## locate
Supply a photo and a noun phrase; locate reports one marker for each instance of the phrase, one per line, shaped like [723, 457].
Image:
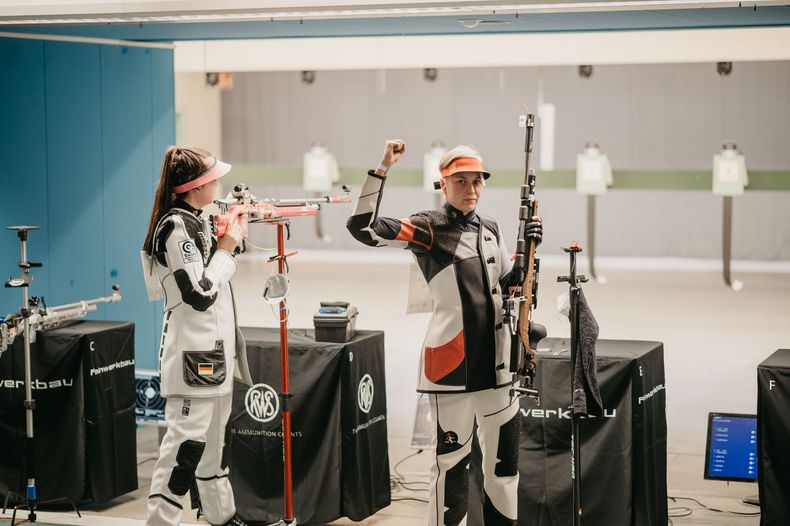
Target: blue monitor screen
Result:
[732, 447]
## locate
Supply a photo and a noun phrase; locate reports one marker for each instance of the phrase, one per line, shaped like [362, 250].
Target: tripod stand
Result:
[23, 282]
[576, 461]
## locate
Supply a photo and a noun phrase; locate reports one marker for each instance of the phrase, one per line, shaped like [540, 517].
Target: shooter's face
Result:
[463, 190]
[205, 194]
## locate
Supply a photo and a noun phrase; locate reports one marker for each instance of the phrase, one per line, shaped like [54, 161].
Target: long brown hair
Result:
[179, 166]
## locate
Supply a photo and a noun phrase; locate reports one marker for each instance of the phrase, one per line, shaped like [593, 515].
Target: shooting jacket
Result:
[202, 347]
[465, 263]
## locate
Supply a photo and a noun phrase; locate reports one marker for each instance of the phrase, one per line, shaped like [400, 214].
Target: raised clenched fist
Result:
[393, 151]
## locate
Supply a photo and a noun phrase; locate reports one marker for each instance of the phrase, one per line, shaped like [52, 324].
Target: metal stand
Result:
[726, 245]
[23, 282]
[576, 462]
[319, 228]
[276, 212]
[591, 216]
[285, 395]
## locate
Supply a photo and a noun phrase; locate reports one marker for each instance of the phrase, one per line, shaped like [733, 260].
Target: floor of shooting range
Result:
[685, 480]
[714, 338]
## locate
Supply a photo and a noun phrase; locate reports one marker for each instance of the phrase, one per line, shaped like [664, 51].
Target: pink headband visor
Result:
[215, 171]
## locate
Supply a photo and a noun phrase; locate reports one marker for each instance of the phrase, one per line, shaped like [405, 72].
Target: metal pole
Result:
[576, 462]
[591, 234]
[285, 395]
[576, 458]
[29, 403]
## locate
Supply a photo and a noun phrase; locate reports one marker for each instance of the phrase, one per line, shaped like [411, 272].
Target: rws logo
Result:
[365, 393]
[562, 414]
[262, 403]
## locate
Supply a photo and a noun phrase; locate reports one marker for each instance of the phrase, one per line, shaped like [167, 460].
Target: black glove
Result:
[534, 231]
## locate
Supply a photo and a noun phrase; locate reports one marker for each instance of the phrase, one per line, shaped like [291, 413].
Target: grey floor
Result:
[685, 480]
[714, 338]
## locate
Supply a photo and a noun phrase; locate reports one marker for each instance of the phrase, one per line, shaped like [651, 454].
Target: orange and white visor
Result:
[215, 170]
[465, 164]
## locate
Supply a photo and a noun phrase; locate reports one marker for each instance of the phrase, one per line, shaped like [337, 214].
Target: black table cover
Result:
[339, 428]
[85, 443]
[773, 437]
[623, 454]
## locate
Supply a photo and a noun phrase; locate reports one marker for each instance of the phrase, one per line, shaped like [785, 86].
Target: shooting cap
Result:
[216, 169]
[465, 164]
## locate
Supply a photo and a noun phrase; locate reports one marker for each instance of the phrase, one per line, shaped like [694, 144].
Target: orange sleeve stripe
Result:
[406, 233]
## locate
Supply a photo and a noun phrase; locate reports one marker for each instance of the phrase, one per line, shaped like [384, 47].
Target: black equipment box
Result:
[773, 434]
[335, 322]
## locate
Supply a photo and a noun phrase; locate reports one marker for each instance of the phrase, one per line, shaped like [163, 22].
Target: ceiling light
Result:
[470, 23]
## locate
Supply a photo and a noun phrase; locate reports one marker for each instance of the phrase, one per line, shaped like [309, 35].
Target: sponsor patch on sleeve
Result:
[189, 251]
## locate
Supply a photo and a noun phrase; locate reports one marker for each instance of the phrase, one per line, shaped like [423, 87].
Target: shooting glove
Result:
[534, 231]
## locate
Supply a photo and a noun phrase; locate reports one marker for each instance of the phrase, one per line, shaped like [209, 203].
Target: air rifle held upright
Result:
[523, 294]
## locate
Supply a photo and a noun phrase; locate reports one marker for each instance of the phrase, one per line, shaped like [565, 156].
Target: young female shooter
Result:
[201, 346]
[465, 357]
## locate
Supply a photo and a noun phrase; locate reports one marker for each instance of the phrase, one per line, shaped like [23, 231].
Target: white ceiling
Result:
[448, 51]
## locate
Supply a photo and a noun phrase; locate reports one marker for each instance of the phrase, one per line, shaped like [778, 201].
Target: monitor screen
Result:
[731, 452]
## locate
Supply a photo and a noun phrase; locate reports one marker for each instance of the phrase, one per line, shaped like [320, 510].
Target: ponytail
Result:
[179, 166]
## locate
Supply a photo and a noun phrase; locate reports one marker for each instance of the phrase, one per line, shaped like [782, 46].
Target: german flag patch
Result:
[205, 369]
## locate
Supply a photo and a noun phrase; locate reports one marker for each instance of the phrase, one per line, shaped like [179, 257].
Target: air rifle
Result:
[523, 295]
[241, 205]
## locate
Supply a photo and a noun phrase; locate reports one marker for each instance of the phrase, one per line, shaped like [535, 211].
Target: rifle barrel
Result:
[114, 298]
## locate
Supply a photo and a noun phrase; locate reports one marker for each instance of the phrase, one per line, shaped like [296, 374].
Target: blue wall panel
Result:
[163, 133]
[83, 132]
[74, 155]
[128, 158]
[23, 176]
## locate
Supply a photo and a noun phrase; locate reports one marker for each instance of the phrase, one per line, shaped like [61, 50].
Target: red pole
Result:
[286, 396]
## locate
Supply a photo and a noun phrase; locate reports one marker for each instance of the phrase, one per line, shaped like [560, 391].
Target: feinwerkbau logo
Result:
[562, 414]
[113, 366]
[38, 384]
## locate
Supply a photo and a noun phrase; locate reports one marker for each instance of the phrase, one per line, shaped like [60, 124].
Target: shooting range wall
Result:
[83, 131]
[659, 124]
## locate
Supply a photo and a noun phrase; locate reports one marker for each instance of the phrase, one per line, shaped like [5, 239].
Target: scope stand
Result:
[23, 282]
[576, 462]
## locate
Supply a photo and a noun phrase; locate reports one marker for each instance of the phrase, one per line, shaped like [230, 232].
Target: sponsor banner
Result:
[366, 473]
[338, 428]
[83, 385]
